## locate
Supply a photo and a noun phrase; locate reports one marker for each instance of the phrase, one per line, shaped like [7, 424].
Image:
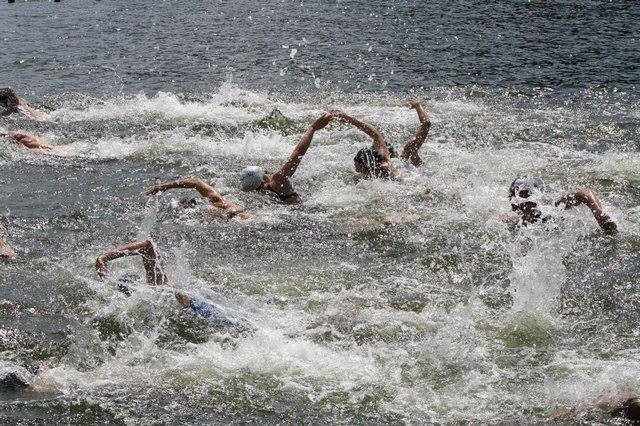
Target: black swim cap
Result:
[371, 161]
[11, 382]
[8, 98]
[629, 409]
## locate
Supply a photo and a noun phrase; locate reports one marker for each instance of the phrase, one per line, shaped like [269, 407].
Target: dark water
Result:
[446, 316]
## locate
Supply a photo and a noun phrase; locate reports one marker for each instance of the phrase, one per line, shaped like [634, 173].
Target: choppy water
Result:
[446, 316]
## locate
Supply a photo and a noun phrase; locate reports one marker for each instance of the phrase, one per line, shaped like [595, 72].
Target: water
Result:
[443, 316]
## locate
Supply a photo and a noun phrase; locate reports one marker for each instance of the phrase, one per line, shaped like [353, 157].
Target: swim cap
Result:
[252, 178]
[8, 98]
[629, 409]
[13, 382]
[525, 187]
[371, 161]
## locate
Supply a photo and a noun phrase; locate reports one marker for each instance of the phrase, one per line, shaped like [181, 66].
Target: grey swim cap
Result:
[252, 178]
[525, 187]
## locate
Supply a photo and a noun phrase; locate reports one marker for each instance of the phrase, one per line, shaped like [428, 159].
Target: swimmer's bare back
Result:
[31, 142]
[207, 191]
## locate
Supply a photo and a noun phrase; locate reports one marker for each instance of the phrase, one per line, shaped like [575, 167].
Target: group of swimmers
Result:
[374, 162]
[525, 192]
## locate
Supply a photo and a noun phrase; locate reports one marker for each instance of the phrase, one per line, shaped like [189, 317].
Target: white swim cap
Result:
[526, 187]
[252, 178]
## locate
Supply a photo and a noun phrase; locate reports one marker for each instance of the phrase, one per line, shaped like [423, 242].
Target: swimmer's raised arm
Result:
[379, 143]
[29, 141]
[291, 165]
[205, 190]
[155, 275]
[410, 151]
[591, 200]
[145, 249]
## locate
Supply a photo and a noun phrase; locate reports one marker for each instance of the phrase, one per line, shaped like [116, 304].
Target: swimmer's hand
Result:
[155, 189]
[414, 103]
[183, 183]
[589, 198]
[101, 267]
[607, 225]
[29, 141]
[322, 122]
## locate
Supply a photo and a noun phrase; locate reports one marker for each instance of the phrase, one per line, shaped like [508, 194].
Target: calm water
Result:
[446, 316]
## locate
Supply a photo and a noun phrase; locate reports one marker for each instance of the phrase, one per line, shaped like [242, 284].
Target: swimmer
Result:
[375, 162]
[155, 276]
[232, 210]
[14, 381]
[627, 408]
[277, 185]
[10, 101]
[6, 252]
[524, 194]
[31, 142]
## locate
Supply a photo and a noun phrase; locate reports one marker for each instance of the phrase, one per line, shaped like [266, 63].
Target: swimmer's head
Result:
[252, 178]
[629, 409]
[8, 98]
[13, 382]
[369, 162]
[524, 192]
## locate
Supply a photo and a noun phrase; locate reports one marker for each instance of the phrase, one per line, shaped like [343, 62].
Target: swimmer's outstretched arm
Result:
[591, 200]
[152, 264]
[6, 252]
[29, 141]
[410, 151]
[205, 190]
[291, 165]
[379, 143]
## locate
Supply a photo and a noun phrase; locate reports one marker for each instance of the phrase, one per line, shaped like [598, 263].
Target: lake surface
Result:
[370, 302]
